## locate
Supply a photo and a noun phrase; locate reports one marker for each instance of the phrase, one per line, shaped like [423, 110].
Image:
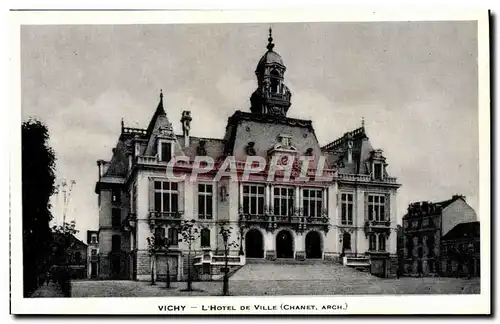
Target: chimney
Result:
[186, 126]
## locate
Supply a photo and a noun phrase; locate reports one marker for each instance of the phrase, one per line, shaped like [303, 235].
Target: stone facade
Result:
[338, 213]
[423, 229]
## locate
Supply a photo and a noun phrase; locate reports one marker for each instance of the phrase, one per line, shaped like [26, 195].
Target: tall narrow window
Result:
[205, 201]
[377, 171]
[173, 236]
[93, 239]
[205, 237]
[253, 199]
[373, 242]
[347, 203]
[133, 199]
[116, 217]
[284, 201]
[381, 242]
[116, 196]
[165, 151]
[376, 208]
[116, 242]
[166, 197]
[312, 202]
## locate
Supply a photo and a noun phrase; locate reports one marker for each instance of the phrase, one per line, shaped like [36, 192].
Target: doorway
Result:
[313, 245]
[284, 244]
[254, 245]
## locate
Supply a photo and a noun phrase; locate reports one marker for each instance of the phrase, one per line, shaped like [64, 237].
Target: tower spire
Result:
[270, 46]
[160, 104]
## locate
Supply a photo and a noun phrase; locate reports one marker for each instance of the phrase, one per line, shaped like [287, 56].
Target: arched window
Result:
[275, 81]
[205, 237]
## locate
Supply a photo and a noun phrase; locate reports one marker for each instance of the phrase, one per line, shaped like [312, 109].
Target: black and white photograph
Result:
[252, 166]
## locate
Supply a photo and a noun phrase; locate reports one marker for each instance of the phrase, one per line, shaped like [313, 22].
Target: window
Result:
[275, 81]
[133, 200]
[373, 242]
[116, 242]
[165, 151]
[376, 208]
[116, 217]
[78, 257]
[253, 199]
[347, 204]
[160, 238]
[93, 252]
[116, 196]
[377, 171]
[173, 236]
[205, 237]
[93, 239]
[166, 197]
[381, 242]
[313, 202]
[284, 201]
[205, 201]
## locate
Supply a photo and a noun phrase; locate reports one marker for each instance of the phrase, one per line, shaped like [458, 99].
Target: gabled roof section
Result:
[463, 231]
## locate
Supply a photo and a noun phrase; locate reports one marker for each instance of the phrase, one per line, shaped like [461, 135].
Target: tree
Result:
[38, 179]
[152, 247]
[189, 233]
[62, 244]
[160, 244]
[225, 232]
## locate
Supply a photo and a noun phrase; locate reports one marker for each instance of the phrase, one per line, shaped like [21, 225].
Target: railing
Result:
[142, 159]
[131, 130]
[365, 178]
[165, 215]
[354, 177]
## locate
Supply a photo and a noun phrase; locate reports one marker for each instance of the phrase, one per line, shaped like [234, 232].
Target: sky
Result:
[414, 83]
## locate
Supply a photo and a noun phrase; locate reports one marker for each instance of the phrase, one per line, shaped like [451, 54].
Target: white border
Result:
[373, 304]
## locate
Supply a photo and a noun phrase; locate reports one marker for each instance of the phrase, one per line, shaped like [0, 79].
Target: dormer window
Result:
[378, 171]
[165, 151]
[93, 239]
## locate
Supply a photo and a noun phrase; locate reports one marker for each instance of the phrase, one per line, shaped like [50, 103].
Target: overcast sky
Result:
[415, 83]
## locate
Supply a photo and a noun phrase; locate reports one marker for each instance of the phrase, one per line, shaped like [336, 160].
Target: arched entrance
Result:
[313, 245]
[284, 244]
[254, 245]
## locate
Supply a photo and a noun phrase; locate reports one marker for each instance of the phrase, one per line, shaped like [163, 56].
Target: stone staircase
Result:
[358, 263]
[283, 269]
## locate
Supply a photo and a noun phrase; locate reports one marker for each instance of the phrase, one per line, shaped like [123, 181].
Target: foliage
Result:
[38, 179]
[225, 231]
[189, 233]
[63, 238]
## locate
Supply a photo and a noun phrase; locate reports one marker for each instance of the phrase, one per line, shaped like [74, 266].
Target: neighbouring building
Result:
[93, 254]
[347, 214]
[424, 226]
[74, 256]
[460, 251]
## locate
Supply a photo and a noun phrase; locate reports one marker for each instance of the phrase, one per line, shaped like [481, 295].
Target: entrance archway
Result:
[313, 245]
[254, 245]
[284, 244]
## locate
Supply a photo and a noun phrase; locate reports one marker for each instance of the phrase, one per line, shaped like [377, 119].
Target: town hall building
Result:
[347, 214]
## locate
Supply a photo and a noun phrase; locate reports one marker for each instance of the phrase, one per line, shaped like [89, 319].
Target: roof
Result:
[264, 130]
[463, 230]
[270, 57]
[445, 203]
[73, 238]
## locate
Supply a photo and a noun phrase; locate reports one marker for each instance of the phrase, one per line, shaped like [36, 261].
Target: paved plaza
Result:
[268, 279]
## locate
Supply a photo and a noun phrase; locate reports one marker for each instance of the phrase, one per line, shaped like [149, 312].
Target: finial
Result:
[123, 124]
[362, 121]
[161, 93]
[270, 46]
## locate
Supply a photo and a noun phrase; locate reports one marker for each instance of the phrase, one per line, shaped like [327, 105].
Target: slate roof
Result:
[463, 230]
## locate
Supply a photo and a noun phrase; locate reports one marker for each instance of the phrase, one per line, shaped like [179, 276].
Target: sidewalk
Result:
[51, 290]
